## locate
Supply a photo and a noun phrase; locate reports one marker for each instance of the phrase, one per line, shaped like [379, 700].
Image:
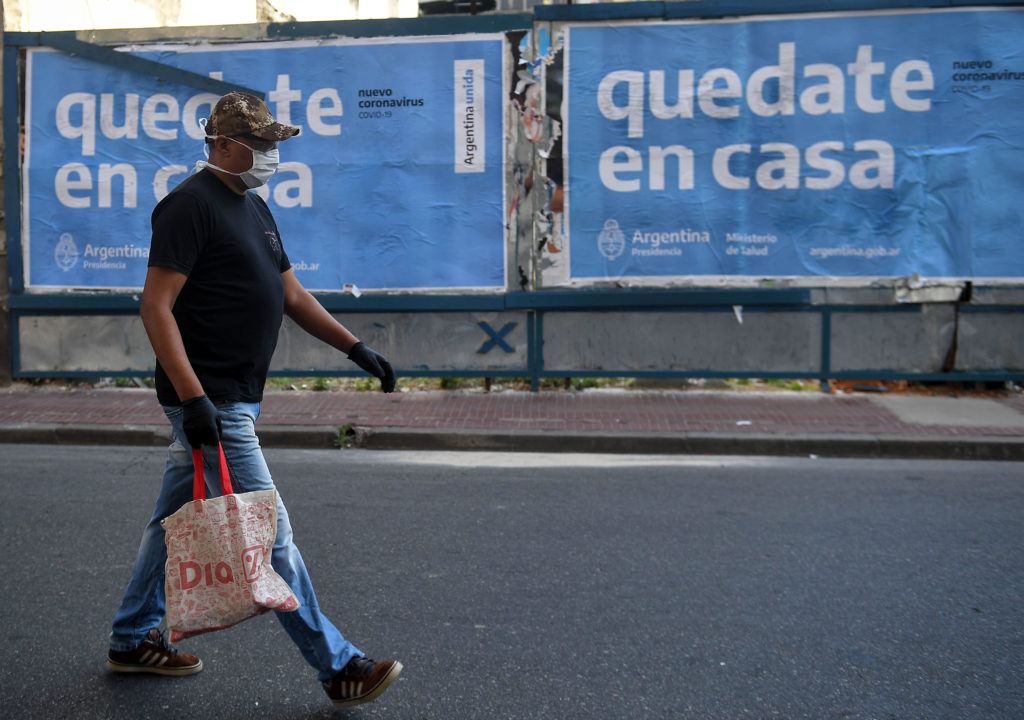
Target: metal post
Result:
[5, 310]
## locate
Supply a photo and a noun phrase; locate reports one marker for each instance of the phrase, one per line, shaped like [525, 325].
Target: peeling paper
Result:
[536, 199]
[523, 80]
[546, 51]
[352, 289]
[531, 115]
[544, 222]
[737, 310]
[524, 48]
[543, 45]
[551, 48]
[554, 134]
[915, 289]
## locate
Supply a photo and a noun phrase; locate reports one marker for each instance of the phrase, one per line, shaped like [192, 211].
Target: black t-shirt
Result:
[230, 309]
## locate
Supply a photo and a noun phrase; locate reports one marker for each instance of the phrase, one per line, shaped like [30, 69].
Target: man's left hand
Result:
[374, 363]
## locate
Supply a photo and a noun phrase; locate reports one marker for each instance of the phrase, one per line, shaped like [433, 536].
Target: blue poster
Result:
[395, 181]
[831, 146]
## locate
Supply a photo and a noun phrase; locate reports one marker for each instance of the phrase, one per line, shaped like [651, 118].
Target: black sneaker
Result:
[361, 681]
[154, 655]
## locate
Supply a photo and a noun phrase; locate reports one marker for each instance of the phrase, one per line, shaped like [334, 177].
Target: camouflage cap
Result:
[241, 114]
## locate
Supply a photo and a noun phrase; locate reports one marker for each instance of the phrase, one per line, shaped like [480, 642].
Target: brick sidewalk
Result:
[588, 411]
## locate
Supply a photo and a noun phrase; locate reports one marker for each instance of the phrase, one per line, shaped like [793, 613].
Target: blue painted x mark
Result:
[496, 338]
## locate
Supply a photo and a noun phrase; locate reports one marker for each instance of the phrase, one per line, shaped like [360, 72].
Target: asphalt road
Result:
[553, 586]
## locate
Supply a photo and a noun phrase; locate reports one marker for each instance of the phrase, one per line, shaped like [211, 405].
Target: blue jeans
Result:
[144, 603]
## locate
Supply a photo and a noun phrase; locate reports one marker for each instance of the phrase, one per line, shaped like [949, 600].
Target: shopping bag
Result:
[218, 569]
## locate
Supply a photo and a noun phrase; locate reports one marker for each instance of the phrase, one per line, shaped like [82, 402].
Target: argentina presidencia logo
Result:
[611, 242]
[66, 252]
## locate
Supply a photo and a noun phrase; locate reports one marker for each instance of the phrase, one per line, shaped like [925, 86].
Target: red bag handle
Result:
[199, 481]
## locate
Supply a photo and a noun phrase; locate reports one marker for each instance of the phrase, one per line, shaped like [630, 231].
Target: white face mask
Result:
[264, 165]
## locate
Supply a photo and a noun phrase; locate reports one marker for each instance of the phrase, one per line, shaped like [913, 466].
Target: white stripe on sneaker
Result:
[350, 689]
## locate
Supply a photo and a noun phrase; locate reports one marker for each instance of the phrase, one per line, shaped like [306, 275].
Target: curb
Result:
[69, 434]
[695, 443]
[323, 437]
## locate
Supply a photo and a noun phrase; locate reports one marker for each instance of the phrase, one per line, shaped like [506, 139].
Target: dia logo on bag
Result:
[192, 573]
[252, 560]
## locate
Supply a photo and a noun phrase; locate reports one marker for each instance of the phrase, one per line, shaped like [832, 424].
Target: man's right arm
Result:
[201, 424]
[158, 298]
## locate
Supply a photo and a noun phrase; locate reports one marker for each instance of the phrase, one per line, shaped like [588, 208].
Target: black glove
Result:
[201, 421]
[374, 363]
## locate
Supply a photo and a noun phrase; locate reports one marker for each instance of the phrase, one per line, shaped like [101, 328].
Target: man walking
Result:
[217, 287]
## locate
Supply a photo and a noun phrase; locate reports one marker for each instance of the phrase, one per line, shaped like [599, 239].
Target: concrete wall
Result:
[413, 342]
[915, 340]
[112, 345]
[684, 341]
[911, 341]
